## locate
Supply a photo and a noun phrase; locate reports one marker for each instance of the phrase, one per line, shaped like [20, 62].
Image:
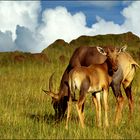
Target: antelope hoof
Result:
[116, 122]
[66, 127]
[83, 127]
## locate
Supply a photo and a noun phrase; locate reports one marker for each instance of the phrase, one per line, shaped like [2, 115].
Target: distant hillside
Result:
[60, 47]
[107, 40]
[61, 51]
[16, 57]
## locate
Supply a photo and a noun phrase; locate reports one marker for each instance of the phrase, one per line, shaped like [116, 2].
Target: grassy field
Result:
[26, 112]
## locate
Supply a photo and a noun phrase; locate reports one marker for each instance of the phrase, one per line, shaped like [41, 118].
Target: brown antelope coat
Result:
[94, 79]
[85, 56]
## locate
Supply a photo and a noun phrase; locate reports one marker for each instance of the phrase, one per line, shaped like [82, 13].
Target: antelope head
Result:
[57, 100]
[112, 55]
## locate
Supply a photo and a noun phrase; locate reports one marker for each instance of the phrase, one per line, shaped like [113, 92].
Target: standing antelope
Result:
[94, 79]
[85, 56]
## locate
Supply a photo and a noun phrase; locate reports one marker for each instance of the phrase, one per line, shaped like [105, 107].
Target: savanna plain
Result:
[26, 111]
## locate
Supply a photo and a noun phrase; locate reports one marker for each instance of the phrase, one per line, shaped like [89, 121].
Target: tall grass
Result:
[26, 112]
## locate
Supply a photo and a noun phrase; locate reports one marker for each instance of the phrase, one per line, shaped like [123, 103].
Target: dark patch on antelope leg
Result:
[129, 95]
[116, 87]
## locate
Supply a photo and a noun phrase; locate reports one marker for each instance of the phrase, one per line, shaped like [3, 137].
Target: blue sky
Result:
[31, 26]
[109, 13]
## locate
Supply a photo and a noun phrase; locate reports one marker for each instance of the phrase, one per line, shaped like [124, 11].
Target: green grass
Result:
[26, 112]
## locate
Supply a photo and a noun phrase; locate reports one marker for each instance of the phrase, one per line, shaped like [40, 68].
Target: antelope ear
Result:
[101, 50]
[122, 49]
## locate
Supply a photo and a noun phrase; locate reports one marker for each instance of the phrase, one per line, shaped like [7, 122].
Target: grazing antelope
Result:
[85, 56]
[93, 79]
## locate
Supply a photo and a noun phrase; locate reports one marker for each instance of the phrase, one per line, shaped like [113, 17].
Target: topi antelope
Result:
[85, 56]
[93, 79]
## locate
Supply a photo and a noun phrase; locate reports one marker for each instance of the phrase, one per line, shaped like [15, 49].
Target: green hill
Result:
[60, 47]
[110, 39]
[61, 51]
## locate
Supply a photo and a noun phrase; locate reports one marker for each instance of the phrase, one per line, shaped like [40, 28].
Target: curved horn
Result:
[53, 95]
[50, 92]
[50, 82]
[122, 49]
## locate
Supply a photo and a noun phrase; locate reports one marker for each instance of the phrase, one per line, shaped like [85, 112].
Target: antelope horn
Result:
[50, 92]
[53, 95]
[50, 82]
[137, 65]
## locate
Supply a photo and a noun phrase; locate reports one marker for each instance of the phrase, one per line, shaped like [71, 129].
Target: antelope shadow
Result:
[47, 118]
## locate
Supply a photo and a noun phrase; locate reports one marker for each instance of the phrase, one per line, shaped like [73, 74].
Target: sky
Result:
[31, 26]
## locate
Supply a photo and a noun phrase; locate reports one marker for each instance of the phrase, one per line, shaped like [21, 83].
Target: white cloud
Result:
[131, 22]
[25, 14]
[6, 41]
[105, 27]
[13, 13]
[132, 18]
[57, 23]
[27, 40]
